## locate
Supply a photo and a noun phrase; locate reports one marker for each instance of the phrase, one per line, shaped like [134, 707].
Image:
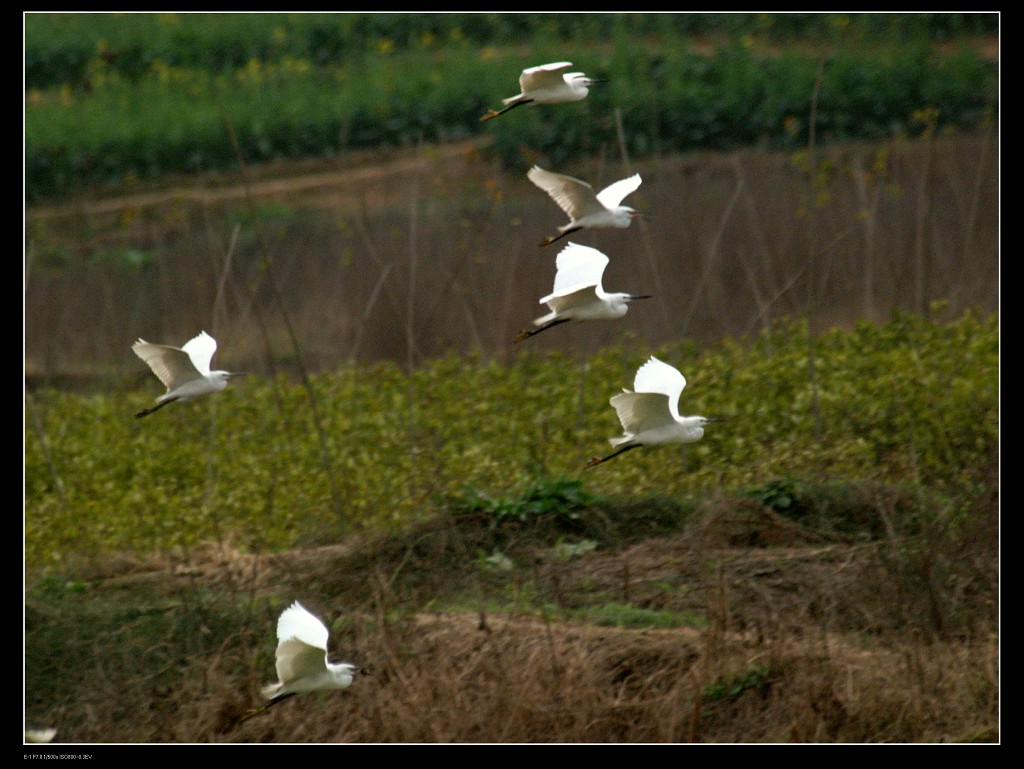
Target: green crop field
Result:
[112, 98]
[907, 402]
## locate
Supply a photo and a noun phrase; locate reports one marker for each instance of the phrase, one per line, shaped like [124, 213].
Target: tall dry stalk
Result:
[268, 277]
[812, 246]
[659, 287]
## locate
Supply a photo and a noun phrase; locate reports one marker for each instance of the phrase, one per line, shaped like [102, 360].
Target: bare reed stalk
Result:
[868, 202]
[210, 509]
[410, 299]
[366, 312]
[371, 246]
[972, 215]
[443, 297]
[812, 302]
[920, 223]
[37, 426]
[508, 294]
[37, 423]
[218, 300]
[764, 305]
[264, 251]
[710, 260]
[659, 288]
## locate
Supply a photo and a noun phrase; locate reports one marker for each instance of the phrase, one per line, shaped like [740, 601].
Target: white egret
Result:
[584, 207]
[577, 294]
[185, 370]
[649, 413]
[302, 663]
[546, 84]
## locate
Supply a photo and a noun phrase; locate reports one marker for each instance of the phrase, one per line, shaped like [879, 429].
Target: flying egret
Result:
[649, 413]
[577, 293]
[185, 370]
[583, 206]
[546, 84]
[302, 664]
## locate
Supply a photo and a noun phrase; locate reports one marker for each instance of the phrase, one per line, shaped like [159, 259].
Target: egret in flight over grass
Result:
[649, 413]
[185, 371]
[302, 663]
[577, 294]
[584, 207]
[546, 84]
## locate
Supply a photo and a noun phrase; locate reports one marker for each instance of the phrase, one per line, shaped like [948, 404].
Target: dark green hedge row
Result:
[672, 102]
[669, 99]
[62, 48]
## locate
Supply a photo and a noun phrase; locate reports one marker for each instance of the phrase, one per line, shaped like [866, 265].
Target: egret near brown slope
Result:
[185, 371]
[302, 661]
[649, 413]
[577, 293]
[584, 207]
[546, 84]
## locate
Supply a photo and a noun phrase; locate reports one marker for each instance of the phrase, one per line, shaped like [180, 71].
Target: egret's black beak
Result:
[640, 296]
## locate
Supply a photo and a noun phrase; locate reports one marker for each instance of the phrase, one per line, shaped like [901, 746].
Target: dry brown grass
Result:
[800, 637]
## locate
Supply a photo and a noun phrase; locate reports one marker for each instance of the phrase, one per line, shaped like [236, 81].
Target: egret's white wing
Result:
[614, 193]
[573, 196]
[578, 267]
[302, 644]
[200, 349]
[639, 412]
[570, 299]
[657, 377]
[297, 622]
[296, 660]
[543, 76]
[172, 365]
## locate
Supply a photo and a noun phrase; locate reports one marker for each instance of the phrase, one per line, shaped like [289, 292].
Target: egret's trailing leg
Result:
[599, 460]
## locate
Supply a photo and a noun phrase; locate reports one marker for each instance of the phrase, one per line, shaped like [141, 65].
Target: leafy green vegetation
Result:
[112, 98]
[61, 47]
[731, 688]
[907, 402]
[560, 499]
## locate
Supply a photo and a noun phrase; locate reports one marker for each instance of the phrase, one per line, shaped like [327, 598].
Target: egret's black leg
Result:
[527, 334]
[491, 114]
[548, 241]
[157, 407]
[259, 710]
[599, 460]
